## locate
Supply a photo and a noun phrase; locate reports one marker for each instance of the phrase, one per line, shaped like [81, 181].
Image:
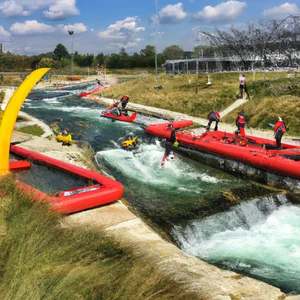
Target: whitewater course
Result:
[218, 247]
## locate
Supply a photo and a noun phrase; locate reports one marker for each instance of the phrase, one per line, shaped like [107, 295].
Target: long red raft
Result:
[96, 89]
[102, 191]
[254, 151]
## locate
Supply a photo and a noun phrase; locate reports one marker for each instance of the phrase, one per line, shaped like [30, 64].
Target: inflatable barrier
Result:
[101, 190]
[254, 151]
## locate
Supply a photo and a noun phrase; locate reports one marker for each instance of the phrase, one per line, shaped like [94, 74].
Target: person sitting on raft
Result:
[213, 116]
[240, 124]
[279, 129]
[116, 111]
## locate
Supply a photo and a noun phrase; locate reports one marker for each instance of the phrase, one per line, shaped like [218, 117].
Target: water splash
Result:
[260, 238]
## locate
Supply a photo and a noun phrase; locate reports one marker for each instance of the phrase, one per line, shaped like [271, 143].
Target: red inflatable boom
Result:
[103, 191]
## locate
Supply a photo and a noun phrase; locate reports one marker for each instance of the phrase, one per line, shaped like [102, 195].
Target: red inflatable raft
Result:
[122, 117]
[102, 190]
[254, 151]
[96, 89]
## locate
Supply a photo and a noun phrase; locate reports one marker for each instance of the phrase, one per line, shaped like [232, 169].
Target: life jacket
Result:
[124, 98]
[280, 125]
[240, 121]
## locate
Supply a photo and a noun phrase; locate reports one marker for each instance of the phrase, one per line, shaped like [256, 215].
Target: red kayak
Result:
[254, 151]
[96, 89]
[109, 113]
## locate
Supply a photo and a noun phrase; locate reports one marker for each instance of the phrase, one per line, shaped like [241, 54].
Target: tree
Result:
[100, 59]
[46, 63]
[123, 52]
[173, 52]
[148, 51]
[60, 52]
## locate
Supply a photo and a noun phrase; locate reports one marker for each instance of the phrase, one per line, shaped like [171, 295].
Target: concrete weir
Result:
[193, 274]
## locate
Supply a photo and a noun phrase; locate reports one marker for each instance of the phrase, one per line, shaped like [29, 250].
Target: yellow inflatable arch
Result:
[11, 113]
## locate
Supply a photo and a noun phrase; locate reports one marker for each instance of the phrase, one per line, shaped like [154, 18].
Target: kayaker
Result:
[170, 157]
[171, 141]
[243, 87]
[279, 129]
[64, 132]
[213, 116]
[240, 124]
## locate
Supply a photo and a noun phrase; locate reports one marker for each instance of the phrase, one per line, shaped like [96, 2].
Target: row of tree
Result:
[60, 58]
[266, 41]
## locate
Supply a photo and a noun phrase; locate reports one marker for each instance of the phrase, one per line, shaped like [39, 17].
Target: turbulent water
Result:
[258, 238]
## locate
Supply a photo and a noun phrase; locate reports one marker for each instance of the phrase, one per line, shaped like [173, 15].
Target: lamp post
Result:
[156, 24]
[71, 32]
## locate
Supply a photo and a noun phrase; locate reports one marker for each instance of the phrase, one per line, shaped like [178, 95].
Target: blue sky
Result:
[37, 26]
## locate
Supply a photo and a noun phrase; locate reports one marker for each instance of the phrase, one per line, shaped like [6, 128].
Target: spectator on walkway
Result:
[243, 87]
[213, 116]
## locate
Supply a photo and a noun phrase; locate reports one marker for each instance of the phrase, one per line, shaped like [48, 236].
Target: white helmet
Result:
[171, 157]
[279, 119]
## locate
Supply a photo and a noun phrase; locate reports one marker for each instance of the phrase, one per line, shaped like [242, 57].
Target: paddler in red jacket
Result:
[240, 123]
[279, 129]
[124, 101]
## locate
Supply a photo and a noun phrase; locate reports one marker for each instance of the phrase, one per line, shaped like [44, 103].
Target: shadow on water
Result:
[197, 206]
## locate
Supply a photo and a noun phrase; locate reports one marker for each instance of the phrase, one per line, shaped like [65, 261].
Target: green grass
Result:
[40, 259]
[2, 95]
[273, 94]
[32, 129]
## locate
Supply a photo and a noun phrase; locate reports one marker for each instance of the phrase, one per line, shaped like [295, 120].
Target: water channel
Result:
[185, 199]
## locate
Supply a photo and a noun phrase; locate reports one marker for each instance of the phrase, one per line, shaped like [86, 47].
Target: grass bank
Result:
[41, 259]
[273, 94]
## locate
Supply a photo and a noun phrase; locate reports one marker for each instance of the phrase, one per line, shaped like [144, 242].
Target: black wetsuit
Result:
[170, 141]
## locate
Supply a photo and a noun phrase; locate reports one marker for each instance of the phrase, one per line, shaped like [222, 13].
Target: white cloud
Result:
[122, 32]
[223, 12]
[122, 45]
[172, 14]
[36, 4]
[31, 27]
[4, 35]
[61, 10]
[12, 9]
[283, 10]
[77, 28]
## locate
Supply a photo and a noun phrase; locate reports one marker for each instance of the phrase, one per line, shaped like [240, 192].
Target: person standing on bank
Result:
[243, 87]
[279, 129]
[240, 124]
[124, 101]
[213, 116]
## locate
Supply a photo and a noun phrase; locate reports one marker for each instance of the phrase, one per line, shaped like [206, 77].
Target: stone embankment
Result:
[192, 274]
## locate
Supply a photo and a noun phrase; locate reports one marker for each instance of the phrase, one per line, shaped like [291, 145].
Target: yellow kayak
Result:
[65, 139]
[129, 141]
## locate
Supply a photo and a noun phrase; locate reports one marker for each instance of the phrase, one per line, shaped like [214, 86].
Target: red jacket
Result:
[124, 98]
[240, 121]
[280, 125]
